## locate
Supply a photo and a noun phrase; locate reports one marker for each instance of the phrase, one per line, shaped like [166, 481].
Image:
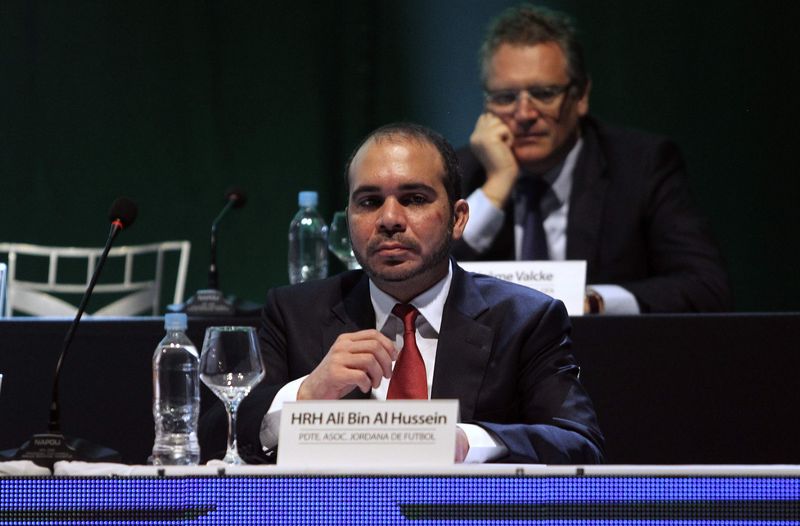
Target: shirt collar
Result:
[562, 184]
[430, 303]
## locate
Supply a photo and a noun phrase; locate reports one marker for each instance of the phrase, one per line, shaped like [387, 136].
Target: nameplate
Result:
[344, 433]
[563, 280]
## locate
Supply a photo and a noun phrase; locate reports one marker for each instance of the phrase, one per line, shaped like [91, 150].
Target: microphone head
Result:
[123, 210]
[236, 195]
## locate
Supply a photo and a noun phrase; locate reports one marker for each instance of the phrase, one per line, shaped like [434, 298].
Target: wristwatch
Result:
[594, 301]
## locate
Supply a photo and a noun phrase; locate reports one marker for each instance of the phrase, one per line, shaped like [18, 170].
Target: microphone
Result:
[122, 212]
[235, 198]
[210, 301]
[46, 449]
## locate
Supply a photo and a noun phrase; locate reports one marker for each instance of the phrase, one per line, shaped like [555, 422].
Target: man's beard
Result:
[441, 253]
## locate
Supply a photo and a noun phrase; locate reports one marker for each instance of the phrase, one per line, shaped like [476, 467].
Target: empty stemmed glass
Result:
[230, 365]
[339, 241]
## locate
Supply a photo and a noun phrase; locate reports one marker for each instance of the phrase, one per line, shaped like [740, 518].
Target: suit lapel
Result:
[352, 313]
[464, 345]
[587, 199]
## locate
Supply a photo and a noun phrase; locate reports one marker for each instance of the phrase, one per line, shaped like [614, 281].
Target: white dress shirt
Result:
[430, 304]
[486, 220]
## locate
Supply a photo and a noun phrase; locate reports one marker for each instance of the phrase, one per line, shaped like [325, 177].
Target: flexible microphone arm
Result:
[236, 199]
[213, 273]
[122, 214]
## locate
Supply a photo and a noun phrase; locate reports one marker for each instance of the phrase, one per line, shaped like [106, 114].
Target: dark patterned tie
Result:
[534, 240]
[409, 380]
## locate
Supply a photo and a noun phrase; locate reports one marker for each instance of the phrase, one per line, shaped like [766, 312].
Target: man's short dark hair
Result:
[527, 25]
[451, 178]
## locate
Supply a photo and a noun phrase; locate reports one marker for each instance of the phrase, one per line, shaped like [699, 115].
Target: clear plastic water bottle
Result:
[308, 241]
[176, 396]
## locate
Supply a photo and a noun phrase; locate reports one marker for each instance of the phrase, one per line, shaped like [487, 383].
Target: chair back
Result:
[3, 272]
[40, 279]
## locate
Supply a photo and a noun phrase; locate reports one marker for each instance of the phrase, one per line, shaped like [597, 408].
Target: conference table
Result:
[668, 389]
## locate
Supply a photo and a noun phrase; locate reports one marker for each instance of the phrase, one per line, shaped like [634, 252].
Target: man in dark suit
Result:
[502, 350]
[547, 181]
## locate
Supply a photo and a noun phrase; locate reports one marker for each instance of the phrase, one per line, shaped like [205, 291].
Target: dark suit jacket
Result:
[631, 219]
[503, 352]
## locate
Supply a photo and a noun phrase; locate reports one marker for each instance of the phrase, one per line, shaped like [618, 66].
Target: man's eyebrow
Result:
[417, 186]
[371, 189]
[366, 190]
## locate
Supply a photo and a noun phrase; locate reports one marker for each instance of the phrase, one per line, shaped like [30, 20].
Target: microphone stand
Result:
[211, 301]
[213, 273]
[45, 449]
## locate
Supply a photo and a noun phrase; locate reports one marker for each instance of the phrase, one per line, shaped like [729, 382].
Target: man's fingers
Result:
[462, 445]
[356, 360]
[491, 142]
[366, 363]
[372, 350]
[372, 335]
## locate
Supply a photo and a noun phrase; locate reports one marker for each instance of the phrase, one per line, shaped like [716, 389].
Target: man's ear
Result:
[583, 102]
[460, 218]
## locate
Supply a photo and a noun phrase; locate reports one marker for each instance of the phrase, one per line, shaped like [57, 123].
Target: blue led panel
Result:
[426, 500]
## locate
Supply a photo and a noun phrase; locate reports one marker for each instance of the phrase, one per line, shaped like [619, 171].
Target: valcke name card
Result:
[563, 280]
[344, 433]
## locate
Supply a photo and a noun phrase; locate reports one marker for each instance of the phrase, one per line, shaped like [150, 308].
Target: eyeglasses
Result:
[506, 100]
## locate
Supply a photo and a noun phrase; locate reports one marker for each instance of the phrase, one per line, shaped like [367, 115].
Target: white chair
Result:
[132, 278]
[3, 269]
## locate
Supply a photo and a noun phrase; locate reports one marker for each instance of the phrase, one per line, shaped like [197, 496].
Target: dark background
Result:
[170, 103]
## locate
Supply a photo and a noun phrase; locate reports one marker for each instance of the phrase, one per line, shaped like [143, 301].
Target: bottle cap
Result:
[307, 199]
[175, 321]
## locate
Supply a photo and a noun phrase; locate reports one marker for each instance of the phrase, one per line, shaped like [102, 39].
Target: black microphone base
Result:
[209, 302]
[45, 449]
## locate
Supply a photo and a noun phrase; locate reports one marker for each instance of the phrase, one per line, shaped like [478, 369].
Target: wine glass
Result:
[230, 365]
[339, 241]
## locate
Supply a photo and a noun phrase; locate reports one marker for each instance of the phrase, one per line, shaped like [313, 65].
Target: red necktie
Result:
[409, 380]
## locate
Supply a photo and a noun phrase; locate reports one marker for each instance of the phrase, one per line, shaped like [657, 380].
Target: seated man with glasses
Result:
[547, 181]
